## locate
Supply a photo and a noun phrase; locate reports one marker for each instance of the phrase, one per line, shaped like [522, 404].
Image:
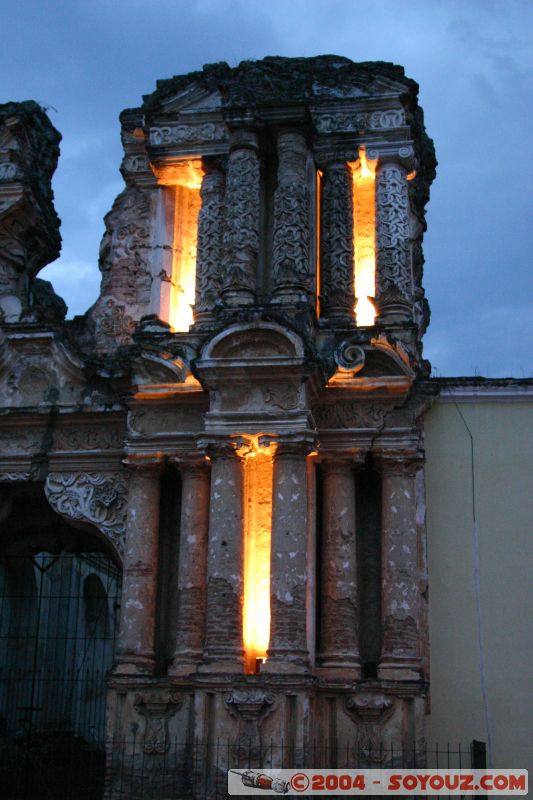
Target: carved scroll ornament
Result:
[97, 498]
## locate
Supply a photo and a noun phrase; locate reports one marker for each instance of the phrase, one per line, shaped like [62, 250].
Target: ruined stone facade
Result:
[143, 428]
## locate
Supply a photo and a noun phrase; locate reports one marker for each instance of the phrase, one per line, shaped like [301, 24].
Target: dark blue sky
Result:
[89, 59]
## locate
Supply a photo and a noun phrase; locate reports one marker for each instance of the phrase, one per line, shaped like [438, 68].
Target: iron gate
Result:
[58, 620]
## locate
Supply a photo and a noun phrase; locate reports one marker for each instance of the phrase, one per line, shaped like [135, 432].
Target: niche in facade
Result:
[364, 225]
[182, 202]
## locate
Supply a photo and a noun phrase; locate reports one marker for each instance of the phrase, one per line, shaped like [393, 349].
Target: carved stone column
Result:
[241, 234]
[337, 289]
[225, 562]
[290, 259]
[135, 649]
[287, 650]
[209, 251]
[339, 603]
[394, 281]
[194, 524]
[400, 600]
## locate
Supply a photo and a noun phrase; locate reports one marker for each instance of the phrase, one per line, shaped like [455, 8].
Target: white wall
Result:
[503, 448]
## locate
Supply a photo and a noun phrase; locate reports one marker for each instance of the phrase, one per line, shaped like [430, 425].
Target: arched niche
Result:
[55, 652]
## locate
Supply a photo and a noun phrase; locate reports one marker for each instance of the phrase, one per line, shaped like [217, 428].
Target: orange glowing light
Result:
[186, 178]
[258, 468]
[364, 178]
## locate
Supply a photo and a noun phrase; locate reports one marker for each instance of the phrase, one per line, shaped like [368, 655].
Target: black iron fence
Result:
[58, 619]
[69, 768]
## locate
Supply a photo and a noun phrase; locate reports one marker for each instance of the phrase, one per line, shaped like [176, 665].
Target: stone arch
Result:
[99, 499]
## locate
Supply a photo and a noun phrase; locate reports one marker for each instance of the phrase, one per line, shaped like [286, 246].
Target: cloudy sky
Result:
[87, 59]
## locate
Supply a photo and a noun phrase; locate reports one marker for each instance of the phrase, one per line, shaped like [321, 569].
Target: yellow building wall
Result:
[503, 458]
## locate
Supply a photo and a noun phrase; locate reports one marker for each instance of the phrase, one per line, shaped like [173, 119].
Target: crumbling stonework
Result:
[99, 412]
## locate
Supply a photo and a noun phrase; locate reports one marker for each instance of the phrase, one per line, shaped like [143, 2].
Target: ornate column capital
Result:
[341, 462]
[398, 462]
[294, 448]
[193, 464]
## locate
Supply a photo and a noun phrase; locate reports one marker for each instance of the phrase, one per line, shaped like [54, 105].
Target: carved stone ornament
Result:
[336, 246]
[89, 437]
[290, 260]
[348, 122]
[281, 395]
[350, 356]
[370, 712]
[351, 414]
[369, 708]
[210, 233]
[241, 234]
[188, 133]
[392, 235]
[157, 708]
[97, 498]
[250, 704]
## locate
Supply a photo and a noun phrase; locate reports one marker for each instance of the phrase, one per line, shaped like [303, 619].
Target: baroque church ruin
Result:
[212, 483]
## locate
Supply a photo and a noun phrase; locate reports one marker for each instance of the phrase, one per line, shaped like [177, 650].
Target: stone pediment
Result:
[247, 343]
[194, 99]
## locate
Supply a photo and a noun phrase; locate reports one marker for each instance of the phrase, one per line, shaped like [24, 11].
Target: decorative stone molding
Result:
[15, 440]
[349, 414]
[282, 395]
[250, 704]
[369, 709]
[187, 133]
[97, 498]
[370, 712]
[157, 708]
[358, 121]
[89, 437]
[250, 707]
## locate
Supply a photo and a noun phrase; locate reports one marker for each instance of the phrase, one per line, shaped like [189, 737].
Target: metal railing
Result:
[64, 767]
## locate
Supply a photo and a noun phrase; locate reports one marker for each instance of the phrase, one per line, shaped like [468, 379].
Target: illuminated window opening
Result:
[183, 180]
[258, 470]
[364, 193]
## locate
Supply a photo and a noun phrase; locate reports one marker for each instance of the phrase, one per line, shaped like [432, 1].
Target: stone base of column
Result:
[399, 668]
[280, 665]
[224, 665]
[289, 297]
[185, 664]
[134, 665]
[236, 298]
[338, 667]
